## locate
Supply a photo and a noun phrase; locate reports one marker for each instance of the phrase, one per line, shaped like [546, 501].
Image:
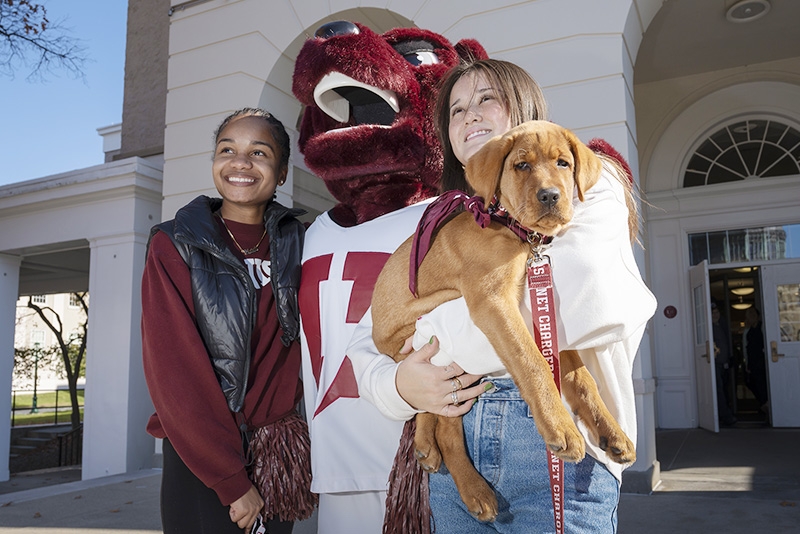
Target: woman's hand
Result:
[433, 388]
[244, 510]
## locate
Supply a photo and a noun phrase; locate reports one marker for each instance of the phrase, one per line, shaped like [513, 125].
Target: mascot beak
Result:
[337, 94]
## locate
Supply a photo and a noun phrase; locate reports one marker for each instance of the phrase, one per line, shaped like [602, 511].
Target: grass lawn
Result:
[43, 418]
[46, 404]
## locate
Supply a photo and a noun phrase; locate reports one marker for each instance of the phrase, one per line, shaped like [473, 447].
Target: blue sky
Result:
[50, 126]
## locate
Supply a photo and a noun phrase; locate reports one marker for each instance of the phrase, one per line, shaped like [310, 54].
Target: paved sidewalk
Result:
[740, 481]
[121, 504]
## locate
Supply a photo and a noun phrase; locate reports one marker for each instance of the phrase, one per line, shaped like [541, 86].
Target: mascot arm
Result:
[375, 373]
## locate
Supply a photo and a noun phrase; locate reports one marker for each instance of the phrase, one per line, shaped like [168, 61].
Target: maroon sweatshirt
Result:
[191, 409]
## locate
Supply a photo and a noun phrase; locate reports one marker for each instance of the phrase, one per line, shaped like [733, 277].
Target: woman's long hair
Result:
[519, 93]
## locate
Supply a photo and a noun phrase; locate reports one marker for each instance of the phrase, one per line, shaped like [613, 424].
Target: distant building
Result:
[30, 331]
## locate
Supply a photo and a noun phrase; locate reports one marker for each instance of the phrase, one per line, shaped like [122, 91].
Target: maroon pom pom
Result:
[281, 470]
[603, 147]
[408, 509]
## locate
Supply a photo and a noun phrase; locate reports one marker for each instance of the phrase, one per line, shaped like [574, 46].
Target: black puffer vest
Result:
[224, 297]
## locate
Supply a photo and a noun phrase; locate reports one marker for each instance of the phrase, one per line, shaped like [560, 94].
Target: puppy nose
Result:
[549, 197]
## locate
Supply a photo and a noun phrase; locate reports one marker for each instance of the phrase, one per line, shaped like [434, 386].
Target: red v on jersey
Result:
[343, 386]
[361, 270]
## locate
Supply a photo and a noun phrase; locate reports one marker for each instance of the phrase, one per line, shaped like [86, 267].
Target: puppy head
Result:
[534, 169]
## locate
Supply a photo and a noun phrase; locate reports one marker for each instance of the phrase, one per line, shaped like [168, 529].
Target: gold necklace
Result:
[245, 251]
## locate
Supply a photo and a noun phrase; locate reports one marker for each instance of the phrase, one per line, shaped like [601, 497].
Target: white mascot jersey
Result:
[352, 443]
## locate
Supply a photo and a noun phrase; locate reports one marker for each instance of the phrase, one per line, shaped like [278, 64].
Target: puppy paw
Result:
[429, 459]
[566, 443]
[618, 447]
[480, 501]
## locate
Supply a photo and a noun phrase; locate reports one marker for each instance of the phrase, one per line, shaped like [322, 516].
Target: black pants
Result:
[757, 380]
[723, 387]
[190, 507]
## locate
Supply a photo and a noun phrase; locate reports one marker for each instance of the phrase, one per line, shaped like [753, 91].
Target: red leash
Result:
[540, 285]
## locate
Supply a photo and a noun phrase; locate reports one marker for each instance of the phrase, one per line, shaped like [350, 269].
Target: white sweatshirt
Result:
[602, 307]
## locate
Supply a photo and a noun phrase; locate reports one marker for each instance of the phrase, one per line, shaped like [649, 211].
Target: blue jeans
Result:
[509, 452]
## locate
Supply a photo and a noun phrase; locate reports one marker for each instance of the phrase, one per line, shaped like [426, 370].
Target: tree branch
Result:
[28, 39]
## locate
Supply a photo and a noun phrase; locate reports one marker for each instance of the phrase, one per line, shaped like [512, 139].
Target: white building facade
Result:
[617, 69]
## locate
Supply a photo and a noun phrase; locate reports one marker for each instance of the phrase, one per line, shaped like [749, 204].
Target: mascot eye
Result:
[417, 52]
[522, 166]
[422, 58]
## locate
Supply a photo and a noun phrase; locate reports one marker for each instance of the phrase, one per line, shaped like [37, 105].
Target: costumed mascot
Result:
[368, 133]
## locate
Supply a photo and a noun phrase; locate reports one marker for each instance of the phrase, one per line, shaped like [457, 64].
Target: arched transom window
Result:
[751, 148]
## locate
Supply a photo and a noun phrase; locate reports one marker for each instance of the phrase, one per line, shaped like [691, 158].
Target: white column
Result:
[9, 292]
[117, 403]
[575, 104]
[645, 473]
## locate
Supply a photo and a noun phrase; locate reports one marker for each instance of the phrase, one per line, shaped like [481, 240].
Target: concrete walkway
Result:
[121, 504]
[740, 481]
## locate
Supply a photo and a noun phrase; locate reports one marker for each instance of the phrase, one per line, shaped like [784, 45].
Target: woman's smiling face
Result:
[247, 164]
[476, 115]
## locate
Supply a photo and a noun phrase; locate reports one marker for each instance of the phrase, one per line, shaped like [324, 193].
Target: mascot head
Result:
[368, 128]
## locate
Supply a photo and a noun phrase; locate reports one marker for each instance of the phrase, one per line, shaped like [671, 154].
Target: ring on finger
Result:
[458, 382]
[454, 397]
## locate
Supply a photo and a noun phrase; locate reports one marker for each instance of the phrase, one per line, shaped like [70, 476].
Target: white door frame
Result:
[782, 348]
[703, 355]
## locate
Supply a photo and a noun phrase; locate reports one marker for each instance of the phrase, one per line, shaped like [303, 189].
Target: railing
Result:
[51, 406]
[70, 447]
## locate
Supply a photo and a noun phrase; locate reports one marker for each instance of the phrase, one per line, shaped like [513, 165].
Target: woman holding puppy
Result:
[602, 308]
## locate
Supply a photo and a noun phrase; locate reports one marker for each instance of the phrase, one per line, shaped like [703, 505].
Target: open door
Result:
[703, 355]
[781, 286]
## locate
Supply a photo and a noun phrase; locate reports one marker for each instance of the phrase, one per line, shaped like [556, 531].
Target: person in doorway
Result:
[723, 361]
[219, 338]
[479, 100]
[754, 361]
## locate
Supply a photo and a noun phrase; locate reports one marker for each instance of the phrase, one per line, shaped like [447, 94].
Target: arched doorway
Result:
[723, 187]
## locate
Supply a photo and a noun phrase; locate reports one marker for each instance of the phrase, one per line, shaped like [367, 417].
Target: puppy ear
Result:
[587, 165]
[484, 168]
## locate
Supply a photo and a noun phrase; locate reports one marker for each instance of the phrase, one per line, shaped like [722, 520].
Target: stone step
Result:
[46, 433]
[35, 441]
[22, 449]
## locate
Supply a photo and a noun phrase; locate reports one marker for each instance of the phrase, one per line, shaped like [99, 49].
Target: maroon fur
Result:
[369, 169]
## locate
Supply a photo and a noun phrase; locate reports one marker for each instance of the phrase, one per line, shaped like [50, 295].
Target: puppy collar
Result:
[537, 241]
[447, 205]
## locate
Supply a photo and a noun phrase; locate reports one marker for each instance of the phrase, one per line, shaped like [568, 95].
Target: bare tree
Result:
[72, 348]
[29, 39]
[26, 359]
